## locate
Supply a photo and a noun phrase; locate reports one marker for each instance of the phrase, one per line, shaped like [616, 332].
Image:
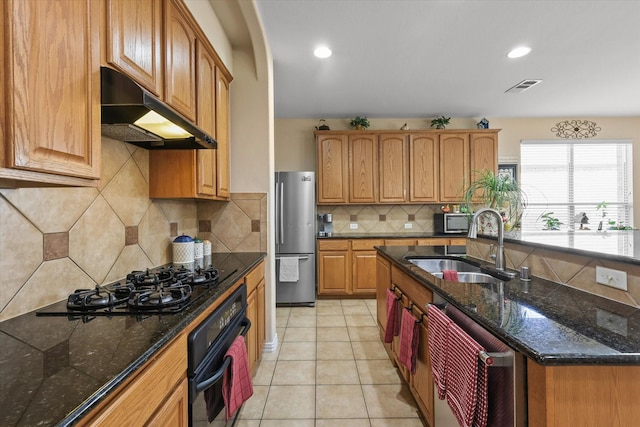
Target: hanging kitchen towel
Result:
[237, 387]
[438, 325]
[410, 331]
[450, 275]
[393, 328]
[463, 378]
[289, 269]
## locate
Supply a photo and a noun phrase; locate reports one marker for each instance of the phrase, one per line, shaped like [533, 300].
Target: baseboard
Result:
[271, 346]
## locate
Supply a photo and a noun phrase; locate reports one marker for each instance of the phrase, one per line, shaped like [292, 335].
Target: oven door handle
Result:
[203, 385]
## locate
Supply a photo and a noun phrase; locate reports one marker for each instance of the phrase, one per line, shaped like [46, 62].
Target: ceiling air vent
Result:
[523, 85]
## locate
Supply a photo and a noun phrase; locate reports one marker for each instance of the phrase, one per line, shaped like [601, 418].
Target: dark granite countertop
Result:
[390, 235]
[548, 322]
[54, 370]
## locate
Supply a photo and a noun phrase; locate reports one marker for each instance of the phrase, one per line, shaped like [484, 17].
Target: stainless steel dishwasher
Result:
[506, 376]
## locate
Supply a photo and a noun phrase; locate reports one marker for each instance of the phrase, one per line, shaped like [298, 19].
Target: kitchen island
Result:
[57, 369]
[582, 351]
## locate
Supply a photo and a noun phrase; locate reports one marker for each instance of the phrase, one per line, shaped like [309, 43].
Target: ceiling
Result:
[425, 58]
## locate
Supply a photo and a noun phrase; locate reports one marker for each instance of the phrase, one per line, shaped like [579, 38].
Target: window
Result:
[574, 176]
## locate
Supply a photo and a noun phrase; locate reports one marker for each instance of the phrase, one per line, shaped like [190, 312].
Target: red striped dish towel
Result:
[393, 326]
[409, 335]
[463, 378]
[437, 323]
[451, 275]
[237, 387]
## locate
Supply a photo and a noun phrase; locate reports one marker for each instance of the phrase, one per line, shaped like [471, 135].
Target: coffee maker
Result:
[325, 228]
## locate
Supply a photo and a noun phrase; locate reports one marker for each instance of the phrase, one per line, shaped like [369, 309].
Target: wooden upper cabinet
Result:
[424, 168]
[180, 84]
[222, 136]
[454, 165]
[206, 119]
[333, 181]
[134, 40]
[363, 168]
[392, 161]
[51, 114]
[484, 152]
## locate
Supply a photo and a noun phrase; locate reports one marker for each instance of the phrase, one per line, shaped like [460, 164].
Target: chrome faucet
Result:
[473, 234]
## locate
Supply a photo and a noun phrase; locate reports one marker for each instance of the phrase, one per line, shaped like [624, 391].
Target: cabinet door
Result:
[392, 162]
[223, 182]
[363, 168]
[180, 87]
[484, 152]
[333, 273]
[364, 272]
[421, 381]
[251, 339]
[454, 165]
[52, 75]
[133, 40]
[383, 282]
[175, 410]
[206, 119]
[333, 181]
[424, 168]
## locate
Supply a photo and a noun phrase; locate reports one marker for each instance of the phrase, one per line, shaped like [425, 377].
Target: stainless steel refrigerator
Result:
[295, 238]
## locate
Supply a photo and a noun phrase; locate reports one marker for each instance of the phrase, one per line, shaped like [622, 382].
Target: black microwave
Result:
[455, 223]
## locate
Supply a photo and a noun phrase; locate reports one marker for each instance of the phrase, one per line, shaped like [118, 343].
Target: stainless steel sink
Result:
[471, 277]
[432, 265]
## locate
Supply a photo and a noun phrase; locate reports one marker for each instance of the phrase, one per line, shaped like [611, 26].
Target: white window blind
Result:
[573, 176]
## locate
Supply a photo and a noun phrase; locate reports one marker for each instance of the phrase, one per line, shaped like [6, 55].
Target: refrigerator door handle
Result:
[300, 258]
[281, 213]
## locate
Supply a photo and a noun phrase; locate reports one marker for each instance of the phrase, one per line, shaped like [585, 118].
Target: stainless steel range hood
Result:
[133, 115]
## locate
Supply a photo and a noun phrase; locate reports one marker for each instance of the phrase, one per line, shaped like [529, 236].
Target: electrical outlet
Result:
[408, 225]
[353, 226]
[610, 277]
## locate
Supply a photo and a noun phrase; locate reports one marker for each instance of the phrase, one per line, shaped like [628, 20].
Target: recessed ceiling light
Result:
[519, 52]
[322, 52]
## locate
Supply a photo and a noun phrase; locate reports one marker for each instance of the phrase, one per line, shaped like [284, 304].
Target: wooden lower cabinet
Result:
[347, 267]
[255, 313]
[333, 268]
[586, 396]
[411, 292]
[175, 410]
[158, 391]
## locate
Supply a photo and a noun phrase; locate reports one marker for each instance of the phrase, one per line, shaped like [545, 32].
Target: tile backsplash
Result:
[381, 218]
[577, 271]
[56, 240]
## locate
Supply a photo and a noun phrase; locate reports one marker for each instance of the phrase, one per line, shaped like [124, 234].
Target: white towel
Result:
[289, 269]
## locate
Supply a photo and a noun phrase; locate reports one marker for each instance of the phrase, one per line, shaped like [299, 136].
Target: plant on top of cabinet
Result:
[359, 123]
[440, 122]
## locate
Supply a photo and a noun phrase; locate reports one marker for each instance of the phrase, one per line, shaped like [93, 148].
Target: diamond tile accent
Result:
[56, 245]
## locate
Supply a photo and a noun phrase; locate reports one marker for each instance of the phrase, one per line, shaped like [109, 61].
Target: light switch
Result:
[610, 277]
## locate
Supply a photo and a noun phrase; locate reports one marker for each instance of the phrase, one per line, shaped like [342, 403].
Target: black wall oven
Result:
[207, 346]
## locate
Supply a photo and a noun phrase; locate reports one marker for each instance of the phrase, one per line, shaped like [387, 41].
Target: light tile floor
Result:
[329, 370]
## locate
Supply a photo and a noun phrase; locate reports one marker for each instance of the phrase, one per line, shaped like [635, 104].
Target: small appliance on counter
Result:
[451, 223]
[325, 228]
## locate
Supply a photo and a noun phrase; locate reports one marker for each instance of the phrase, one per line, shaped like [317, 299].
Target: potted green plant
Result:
[550, 221]
[499, 192]
[359, 123]
[440, 122]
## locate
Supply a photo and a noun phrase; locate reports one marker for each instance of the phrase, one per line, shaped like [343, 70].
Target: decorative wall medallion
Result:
[576, 129]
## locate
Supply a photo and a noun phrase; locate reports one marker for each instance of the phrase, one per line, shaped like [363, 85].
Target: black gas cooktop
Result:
[162, 290]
